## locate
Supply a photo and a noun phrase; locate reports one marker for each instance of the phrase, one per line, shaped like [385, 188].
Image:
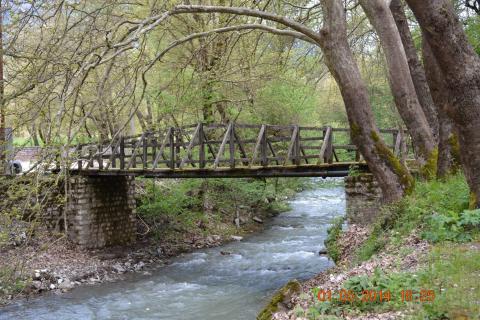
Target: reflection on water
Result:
[206, 284]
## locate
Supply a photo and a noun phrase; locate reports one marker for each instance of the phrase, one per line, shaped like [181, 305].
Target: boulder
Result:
[66, 284]
[118, 268]
[237, 238]
[257, 219]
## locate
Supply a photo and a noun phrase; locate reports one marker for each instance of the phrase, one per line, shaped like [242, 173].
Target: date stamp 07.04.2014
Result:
[375, 296]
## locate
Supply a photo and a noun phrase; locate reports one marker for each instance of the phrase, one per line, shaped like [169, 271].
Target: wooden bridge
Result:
[229, 150]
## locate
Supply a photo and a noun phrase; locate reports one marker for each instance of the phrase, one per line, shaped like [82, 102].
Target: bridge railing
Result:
[222, 146]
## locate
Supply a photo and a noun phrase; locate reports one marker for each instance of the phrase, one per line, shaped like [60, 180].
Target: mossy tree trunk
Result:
[439, 90]
[460, 66]
[401, 84]
[416, 68]
[393, 177]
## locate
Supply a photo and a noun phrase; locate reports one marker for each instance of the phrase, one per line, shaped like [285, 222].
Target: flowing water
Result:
[206, 284]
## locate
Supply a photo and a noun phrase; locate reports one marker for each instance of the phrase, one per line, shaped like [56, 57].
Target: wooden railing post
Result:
[263, 148]
[201, 142]
[178, 141]
[326, 151]
[154, 146]
[145, 149]
[100, 156]
[232, 146]
[296, 149]
[171, 141]
[79, 162]
[329, 151]
[113, 158]
[122, 153]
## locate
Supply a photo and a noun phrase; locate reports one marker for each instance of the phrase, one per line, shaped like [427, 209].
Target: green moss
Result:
[454, 152]
[355, 130]
[331, 243]
[429, 169]
[281, 296]
[473, 201]
[406, 179]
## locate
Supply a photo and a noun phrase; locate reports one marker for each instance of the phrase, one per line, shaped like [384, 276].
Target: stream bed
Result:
[206, 284]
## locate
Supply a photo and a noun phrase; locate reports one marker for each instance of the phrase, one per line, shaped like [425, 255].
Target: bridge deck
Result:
[305, 170]
[228, 150]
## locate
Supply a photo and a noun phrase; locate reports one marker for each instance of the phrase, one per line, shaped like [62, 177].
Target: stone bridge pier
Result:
[101, 211]
[363, 197]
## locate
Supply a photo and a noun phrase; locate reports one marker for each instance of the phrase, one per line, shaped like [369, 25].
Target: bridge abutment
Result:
[101, 211]
[363, 197]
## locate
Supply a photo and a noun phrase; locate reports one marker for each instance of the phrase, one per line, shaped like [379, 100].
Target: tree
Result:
[447, 147]
[401, 84]
[460, 66]
[416, 69]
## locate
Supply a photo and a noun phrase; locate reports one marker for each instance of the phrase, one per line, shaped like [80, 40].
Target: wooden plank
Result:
[133, 158]
[311, 138]
[145, 139]
[190, 146]
[113, 158]
[162, 148]
[323, 149]
[222, 146]
[178, 141]
[201, 139]
[263, 148]
[241, 147]
[232, 145]
[297, 146]
[329, 150]
[90, 157]
[122, 153]
[304, 155]
[210, 148]
[291, 146]
[79, 162]
[100, 156]
[257, 145]
[171, 138]
[273, 153]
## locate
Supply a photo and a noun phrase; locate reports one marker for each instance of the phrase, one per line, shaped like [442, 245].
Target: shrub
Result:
[331, 243]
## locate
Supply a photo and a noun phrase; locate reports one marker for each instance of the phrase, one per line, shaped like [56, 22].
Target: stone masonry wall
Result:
[101, 211]
[364, 198]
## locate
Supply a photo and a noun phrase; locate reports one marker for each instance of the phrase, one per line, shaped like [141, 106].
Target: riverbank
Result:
[202, 217]
[424, 252]
[228, 282]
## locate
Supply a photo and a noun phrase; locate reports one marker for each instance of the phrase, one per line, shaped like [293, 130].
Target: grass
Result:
[436, 209]
[453, 272]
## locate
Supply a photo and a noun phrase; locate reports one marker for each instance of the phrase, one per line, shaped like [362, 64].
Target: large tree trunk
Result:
[439, 90]
[400, 80]
[460, 66]
[416, 69]
[393, 177]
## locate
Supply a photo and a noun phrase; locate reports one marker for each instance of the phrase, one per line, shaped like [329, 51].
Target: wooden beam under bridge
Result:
[313, 170]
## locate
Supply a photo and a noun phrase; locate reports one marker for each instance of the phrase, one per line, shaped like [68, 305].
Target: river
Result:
[206, 284]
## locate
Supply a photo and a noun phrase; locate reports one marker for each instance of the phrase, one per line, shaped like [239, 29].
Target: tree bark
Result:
[460, 66]
[400, 80]
[439, 90]
[416, 69]
[392, 176]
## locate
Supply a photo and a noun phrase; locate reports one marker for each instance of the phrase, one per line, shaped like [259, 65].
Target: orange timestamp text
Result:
[375, 296]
